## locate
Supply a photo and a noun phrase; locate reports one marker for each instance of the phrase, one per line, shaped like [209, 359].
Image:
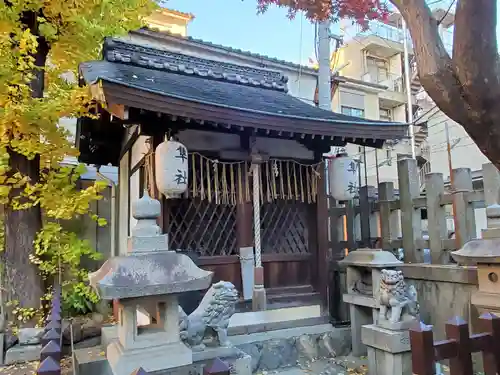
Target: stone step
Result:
[271, 320]
[297, 289]
[283, 300]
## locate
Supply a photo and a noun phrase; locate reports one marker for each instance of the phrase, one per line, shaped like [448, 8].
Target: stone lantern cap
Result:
[486, 251]
[149, 269]
[158, 273]
[370, 258]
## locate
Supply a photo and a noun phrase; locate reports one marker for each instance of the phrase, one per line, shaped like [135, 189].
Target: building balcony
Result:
[380, 39]
[394, 95]
[423, 152]
[393, 82]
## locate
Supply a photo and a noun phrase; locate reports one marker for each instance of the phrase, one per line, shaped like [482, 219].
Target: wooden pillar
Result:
[163, 218]
[322, 233]
[244, 240]
[364, 218]
[244, 224]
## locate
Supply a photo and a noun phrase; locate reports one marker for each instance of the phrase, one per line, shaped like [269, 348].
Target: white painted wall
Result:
[465, 154]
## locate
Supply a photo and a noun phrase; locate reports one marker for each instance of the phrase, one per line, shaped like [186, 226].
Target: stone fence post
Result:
[411, 223]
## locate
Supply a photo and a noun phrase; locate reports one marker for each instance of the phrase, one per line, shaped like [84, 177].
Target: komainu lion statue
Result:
[396, 296]
[211, 318]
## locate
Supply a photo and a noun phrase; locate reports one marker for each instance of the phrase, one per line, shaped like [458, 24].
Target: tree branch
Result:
[435, 67]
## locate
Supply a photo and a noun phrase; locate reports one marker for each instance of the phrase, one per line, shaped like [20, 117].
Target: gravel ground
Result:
[334, 366]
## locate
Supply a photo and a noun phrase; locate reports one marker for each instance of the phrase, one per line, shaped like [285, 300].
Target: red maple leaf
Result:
[360, 11]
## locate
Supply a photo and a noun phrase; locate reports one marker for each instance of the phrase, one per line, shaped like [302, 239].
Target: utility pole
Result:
[324, 78]
[448, 148]
[324, 91]
[408, 87]
[452, 186]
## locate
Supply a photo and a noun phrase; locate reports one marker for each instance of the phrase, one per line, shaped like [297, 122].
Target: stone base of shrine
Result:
[93, 361]
[151, 359]
[389, 351]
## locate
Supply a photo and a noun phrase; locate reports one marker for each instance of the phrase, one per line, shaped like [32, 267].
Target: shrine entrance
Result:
[214, 217]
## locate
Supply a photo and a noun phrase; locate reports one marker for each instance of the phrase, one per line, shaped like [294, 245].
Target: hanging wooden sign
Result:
[171, 163]
[343, 177]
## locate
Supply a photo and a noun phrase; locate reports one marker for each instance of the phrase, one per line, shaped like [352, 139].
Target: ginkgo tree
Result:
[41, 44]
[466, 85]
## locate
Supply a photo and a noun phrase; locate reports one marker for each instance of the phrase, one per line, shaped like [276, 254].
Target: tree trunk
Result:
[23, 280]
[467, 87]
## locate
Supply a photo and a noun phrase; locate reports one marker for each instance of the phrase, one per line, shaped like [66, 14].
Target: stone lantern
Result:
[150, 276]
[485, 254]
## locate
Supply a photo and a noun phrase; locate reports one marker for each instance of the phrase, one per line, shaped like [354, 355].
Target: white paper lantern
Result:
[343, 177]
[171, 162]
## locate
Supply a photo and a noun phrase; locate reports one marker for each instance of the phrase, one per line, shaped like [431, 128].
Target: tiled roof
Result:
[116, 50]
[201, 89]
[189, 39]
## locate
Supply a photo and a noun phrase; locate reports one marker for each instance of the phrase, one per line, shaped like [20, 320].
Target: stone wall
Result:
[444, 291]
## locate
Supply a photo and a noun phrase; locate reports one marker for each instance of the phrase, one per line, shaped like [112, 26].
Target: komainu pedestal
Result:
[388, 340]
[363, 278]
[152, 277]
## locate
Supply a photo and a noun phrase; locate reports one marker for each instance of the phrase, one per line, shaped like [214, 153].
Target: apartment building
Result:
[368, 81]
[435, 130]
[169, 20]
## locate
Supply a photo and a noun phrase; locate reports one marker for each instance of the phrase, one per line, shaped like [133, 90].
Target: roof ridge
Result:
[121, 51]
[177, 12]
[146, 30]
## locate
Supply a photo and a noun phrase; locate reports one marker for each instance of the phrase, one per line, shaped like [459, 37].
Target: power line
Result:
[439, 149]
[447, 11]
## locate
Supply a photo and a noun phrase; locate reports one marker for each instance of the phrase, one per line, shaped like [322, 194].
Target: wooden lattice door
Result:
[203, 227]
[288, 244]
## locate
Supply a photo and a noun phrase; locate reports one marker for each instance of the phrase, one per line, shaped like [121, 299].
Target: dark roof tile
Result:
[145, 77]
[116, 50]
[154, 33]
[220, 93]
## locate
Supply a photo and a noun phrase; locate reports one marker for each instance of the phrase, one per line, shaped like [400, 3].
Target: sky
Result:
[235, 23]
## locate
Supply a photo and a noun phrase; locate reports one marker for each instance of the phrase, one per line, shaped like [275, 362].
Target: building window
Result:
[351, 111]
[377, 68]
[385, 114]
